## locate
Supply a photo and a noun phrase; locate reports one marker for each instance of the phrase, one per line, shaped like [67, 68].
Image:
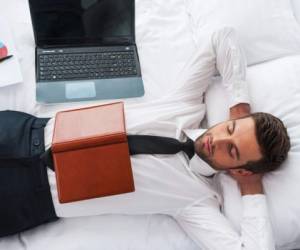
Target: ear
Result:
[240, 172]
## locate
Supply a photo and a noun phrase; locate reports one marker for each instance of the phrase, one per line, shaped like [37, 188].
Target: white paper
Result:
[10, 71]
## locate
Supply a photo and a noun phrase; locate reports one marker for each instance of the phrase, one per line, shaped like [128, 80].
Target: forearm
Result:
[210, 229]
[255, 223]
[256, 231]
[231, 64]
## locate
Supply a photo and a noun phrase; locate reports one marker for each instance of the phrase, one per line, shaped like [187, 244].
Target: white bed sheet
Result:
[159, 59]
[110, 232]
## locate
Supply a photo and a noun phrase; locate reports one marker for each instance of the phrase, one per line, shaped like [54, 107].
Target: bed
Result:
[157, 23]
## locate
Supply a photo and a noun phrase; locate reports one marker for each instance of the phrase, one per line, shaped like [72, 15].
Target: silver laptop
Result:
[85, 50]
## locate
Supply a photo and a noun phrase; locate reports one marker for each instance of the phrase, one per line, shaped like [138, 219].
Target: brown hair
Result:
[274, 142]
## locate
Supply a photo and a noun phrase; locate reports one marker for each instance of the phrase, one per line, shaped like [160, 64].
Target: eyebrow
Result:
[236, 149]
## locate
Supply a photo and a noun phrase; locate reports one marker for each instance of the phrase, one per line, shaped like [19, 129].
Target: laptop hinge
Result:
[123, 42]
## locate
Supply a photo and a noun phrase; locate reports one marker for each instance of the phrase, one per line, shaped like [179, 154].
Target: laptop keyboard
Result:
[58, 67]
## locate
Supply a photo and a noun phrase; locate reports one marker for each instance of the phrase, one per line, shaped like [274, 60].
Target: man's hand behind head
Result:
[248, 182]
[239, 110]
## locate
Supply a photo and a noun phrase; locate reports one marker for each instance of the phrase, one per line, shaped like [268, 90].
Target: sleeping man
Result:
[179, 185]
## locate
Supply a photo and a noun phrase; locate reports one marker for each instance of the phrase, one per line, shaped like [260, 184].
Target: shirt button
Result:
[36, 142]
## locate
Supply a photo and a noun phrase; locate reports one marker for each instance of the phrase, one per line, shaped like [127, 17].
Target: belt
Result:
[37, 148]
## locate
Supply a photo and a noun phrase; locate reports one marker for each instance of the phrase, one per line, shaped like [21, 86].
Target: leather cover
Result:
[90, 153]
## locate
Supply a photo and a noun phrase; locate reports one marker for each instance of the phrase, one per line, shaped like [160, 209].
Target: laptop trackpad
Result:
[78, 90]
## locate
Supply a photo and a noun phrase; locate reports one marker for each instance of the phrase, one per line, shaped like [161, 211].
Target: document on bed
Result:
[10, 70]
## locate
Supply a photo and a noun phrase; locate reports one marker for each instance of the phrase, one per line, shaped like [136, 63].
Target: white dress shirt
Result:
[171, 184]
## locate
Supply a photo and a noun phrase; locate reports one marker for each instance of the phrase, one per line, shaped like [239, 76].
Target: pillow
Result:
[296, 8]
[274, 87]
[267, 28]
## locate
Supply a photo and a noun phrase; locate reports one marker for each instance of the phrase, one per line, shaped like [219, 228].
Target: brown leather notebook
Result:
[90, 153]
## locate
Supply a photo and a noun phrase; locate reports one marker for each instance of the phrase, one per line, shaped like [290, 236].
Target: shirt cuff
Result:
[255, 205]
[238, 93]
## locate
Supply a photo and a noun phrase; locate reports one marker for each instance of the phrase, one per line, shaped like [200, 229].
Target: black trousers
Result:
[25, 198]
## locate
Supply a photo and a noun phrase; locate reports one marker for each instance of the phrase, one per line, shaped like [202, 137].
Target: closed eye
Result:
[233, 150]
[230, 128]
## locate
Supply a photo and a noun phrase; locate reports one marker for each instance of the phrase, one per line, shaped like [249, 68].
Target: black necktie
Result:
[145, 144]
[148, 144]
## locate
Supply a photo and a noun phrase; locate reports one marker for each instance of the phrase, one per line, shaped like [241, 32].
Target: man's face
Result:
[229, 144]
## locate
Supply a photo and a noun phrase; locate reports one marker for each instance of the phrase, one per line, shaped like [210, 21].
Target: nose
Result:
[221, 142]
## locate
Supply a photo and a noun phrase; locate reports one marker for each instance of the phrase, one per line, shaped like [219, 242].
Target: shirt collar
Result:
[194, 133]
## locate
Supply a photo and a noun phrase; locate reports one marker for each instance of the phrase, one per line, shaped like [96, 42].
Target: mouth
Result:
[207, 145]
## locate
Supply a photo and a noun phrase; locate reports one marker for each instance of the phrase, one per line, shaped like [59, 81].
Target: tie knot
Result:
[189, 148]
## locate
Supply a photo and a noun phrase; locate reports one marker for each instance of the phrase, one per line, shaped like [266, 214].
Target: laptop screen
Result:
[82, 22]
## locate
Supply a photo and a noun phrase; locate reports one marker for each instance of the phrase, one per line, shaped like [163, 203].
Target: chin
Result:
[202, 154]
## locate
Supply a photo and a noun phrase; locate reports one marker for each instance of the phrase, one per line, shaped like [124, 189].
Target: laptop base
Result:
[89, 90]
